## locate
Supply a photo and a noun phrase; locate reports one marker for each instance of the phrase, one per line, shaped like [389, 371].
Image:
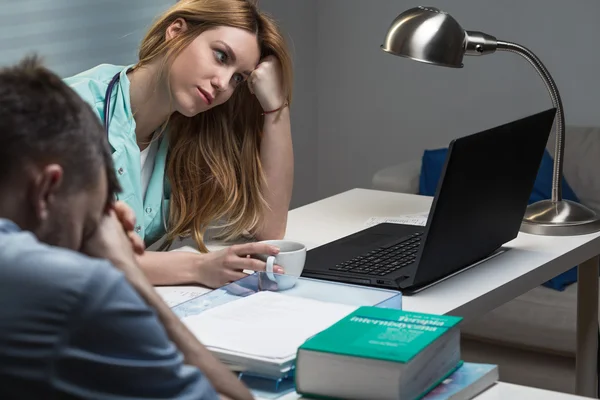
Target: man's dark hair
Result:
[43, 120]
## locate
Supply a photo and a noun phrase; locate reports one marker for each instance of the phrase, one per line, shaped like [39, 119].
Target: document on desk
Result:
[409, 219]
[265, 325]
[175, 295]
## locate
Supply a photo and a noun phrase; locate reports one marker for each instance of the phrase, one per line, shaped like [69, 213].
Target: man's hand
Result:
[127, 218]
[116, 241]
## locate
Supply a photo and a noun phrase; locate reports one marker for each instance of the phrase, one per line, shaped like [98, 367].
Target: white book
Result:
[262, 332]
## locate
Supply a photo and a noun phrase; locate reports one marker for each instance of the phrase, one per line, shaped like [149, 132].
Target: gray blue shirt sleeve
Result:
[72, 327]
[116, 349]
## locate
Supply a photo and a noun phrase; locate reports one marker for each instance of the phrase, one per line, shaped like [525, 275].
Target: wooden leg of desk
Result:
[586, 383]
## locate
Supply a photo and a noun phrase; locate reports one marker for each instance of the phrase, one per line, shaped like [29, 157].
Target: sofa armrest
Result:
[402, 178]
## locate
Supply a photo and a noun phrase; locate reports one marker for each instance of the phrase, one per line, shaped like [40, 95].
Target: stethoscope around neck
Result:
[107, 99]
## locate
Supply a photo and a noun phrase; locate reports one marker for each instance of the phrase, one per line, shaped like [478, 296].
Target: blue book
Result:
[465, 383]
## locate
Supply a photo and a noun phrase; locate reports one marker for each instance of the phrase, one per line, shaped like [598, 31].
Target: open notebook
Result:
[262, 332]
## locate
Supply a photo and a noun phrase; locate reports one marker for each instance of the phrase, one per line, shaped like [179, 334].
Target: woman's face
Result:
[206, 72]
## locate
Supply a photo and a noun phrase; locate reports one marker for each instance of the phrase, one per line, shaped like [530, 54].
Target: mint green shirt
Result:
[151, 208]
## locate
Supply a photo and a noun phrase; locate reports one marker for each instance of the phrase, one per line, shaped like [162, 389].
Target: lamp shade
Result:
[428, 35]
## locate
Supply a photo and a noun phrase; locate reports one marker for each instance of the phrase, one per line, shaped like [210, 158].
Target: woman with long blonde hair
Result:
[200, 133]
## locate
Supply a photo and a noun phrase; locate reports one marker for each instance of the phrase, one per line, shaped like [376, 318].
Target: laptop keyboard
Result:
[384, 260]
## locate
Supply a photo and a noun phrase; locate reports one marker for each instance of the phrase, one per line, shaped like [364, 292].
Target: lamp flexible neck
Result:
[557, 103]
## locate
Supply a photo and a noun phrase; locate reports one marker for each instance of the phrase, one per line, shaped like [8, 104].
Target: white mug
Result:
[291, 258]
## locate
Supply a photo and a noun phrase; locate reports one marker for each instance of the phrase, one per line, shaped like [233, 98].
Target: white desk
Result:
[500, 391]
[531, 261]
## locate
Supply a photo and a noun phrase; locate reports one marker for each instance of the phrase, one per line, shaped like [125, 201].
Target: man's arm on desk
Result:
[223, 380]
[118, 347]
[149, 353]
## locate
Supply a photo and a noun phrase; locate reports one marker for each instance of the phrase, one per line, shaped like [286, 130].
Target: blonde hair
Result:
[213, 166]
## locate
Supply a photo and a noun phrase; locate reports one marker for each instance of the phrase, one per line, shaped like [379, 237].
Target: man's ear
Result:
[48, 182]
[176, 28]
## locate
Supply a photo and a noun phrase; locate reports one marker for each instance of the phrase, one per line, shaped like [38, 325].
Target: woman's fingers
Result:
[254, 248]
[233, 276]
[239, 263]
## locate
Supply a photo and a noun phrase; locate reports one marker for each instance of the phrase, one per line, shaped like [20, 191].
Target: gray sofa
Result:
[531, 338]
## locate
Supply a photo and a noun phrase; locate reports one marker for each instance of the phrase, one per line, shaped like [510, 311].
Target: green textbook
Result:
[379, 353]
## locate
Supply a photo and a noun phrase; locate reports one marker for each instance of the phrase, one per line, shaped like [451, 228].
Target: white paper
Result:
[265, 325]
[410, 219]
[175, 295]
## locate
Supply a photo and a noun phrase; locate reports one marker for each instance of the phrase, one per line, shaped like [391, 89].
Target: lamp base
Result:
[562, 218]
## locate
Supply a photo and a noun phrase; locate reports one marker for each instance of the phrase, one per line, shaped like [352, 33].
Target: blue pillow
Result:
[431, 170]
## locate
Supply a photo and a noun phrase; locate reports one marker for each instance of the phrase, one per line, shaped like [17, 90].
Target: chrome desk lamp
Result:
[429, 35]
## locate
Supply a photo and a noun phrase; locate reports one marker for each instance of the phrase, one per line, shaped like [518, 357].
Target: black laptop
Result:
[479, 204]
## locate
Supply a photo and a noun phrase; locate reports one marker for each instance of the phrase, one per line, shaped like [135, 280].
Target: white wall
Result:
[377, 110]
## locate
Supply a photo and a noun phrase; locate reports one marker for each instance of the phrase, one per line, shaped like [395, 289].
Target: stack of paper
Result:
[410, 219]
[176, 295]
[261, 333]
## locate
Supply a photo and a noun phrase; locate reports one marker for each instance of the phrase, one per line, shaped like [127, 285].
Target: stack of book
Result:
[377, 353]
[465, 383]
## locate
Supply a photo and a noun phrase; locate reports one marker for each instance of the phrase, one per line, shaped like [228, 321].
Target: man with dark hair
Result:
[78, 318]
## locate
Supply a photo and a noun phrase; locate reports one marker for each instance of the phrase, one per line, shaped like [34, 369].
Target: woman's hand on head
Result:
[265, 83]
[224, 266]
